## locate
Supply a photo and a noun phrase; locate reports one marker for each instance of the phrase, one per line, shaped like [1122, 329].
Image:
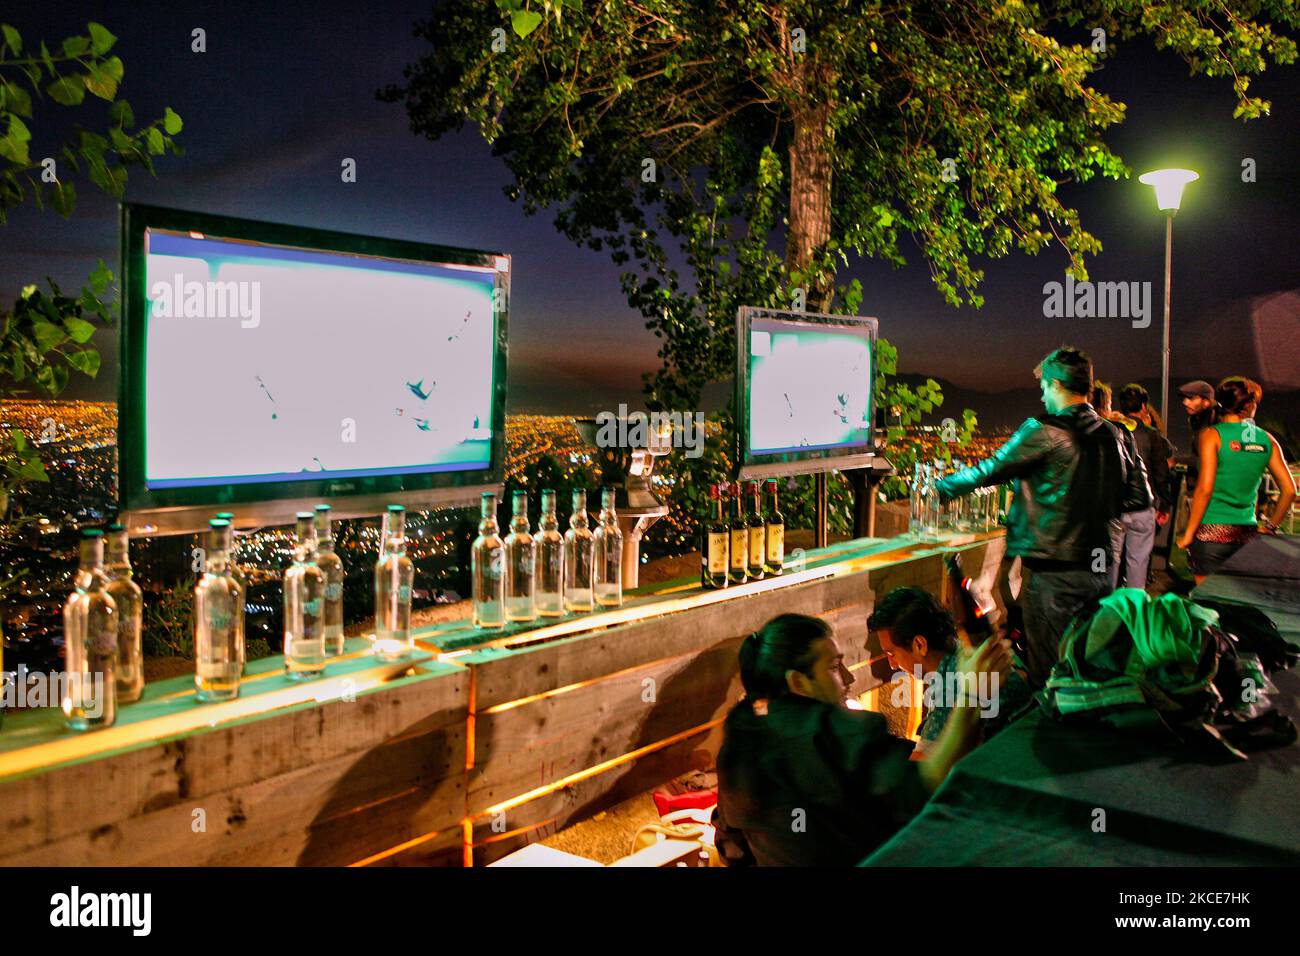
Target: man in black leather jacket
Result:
[1075, 474]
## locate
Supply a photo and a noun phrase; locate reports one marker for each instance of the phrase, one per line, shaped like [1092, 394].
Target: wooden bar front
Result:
[478, 745]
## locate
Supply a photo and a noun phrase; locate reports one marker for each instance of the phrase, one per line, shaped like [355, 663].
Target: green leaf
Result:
[67, 90]
[101, 40]
[113, 67]
[19, 439]
[64, 199]
[76, 46]
[171, 122]
[100, 83]
[17, 100]
[87, 361]
[525, 21]
[153, 140]
[32, 470]
[47, 336]
[79, 330]
[13, 39]
[100, 278]
[121, 113]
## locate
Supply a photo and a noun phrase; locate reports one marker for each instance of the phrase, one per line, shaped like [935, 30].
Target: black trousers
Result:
[1052, 594]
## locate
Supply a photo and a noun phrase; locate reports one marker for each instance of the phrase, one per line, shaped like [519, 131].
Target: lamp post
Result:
[1168, 184]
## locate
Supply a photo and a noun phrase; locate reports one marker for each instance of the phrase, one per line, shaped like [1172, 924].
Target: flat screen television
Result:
[266, 368]
[804, 391]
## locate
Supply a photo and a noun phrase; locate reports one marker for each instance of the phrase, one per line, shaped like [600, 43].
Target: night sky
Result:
[281, 97]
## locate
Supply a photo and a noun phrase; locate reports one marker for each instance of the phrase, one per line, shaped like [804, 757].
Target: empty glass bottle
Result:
[607, 547]
[304, 605]
[550, 560]
[218, 605]
[579, 557]
[128, 597]
[487, 567]
[521, 563]
[241, 579]
[89, 697]
[331, 565]
[394, 576]
[916, 503]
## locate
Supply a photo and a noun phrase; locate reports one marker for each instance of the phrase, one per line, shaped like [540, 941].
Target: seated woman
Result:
[1234, 455]
[803, 780]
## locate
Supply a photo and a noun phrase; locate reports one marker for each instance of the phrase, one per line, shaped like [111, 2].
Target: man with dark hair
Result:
[1155, 451]
[1198, 402]
[1075, 473]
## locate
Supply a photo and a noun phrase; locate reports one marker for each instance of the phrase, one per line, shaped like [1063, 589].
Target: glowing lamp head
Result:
[1169, 185]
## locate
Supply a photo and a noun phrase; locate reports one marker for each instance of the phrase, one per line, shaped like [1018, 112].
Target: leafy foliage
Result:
[712, 126]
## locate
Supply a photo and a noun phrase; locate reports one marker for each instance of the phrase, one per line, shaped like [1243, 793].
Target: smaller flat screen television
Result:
[267, 367]
[804, 391]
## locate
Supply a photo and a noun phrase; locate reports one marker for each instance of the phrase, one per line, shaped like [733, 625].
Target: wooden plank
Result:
[553, 737]
[51, 806]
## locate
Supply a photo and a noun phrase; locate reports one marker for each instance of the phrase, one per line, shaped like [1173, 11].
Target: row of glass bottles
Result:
[980, 510]
[102, 617]
[525, 575]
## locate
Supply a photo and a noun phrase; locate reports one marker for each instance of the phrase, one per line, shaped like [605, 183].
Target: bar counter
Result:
[476, 745]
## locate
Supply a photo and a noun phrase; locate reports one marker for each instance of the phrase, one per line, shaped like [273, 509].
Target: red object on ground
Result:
[666, 803]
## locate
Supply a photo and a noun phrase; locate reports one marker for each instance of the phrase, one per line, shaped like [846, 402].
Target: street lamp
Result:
[1168, 184]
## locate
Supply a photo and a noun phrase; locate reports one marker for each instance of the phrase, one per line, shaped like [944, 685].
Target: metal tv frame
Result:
[162, 511]
[799, 462]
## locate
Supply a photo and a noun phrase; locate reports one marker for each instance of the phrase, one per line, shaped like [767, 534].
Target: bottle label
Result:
[756, 545]
[404, 593]
[717, 553]
[775, 544]
[738, 549]
[333, 592]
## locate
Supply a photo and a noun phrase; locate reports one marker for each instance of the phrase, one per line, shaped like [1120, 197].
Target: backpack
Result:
[1163, 667]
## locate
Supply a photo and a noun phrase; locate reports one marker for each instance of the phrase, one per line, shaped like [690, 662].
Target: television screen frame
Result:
[155, 511]
[810, 461]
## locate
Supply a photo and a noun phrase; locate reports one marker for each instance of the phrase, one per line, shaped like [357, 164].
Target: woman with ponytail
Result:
[1234, 455]
[805, 781]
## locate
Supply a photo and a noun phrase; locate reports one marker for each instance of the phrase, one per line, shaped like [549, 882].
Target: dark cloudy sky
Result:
[282, 95]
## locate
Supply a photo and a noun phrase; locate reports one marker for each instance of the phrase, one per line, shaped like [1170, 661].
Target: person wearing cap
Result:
[1198, 402]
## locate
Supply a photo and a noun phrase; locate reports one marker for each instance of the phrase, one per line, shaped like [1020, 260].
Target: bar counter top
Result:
[477, 743]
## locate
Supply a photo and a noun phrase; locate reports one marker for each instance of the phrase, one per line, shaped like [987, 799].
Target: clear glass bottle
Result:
[394, 577]
[550, 559]
[89, 697]
[607, 548]
[579, 557]
[304, 605]
[775, 536]
[916, 503]
[128, 597]
[240, 578]
[331, 565]
[520, 563]
[218, 605]
[487, 567]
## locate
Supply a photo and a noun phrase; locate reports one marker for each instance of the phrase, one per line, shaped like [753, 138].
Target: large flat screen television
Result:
[804, 391]
[265, 368]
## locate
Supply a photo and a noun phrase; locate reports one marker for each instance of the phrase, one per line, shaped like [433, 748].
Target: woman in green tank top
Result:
[1234, 455]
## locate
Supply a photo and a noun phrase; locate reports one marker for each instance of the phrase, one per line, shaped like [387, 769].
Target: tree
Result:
[847, 125]
[44, 337]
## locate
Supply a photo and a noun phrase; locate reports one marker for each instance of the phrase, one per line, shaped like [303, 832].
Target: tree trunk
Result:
[810, 199]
